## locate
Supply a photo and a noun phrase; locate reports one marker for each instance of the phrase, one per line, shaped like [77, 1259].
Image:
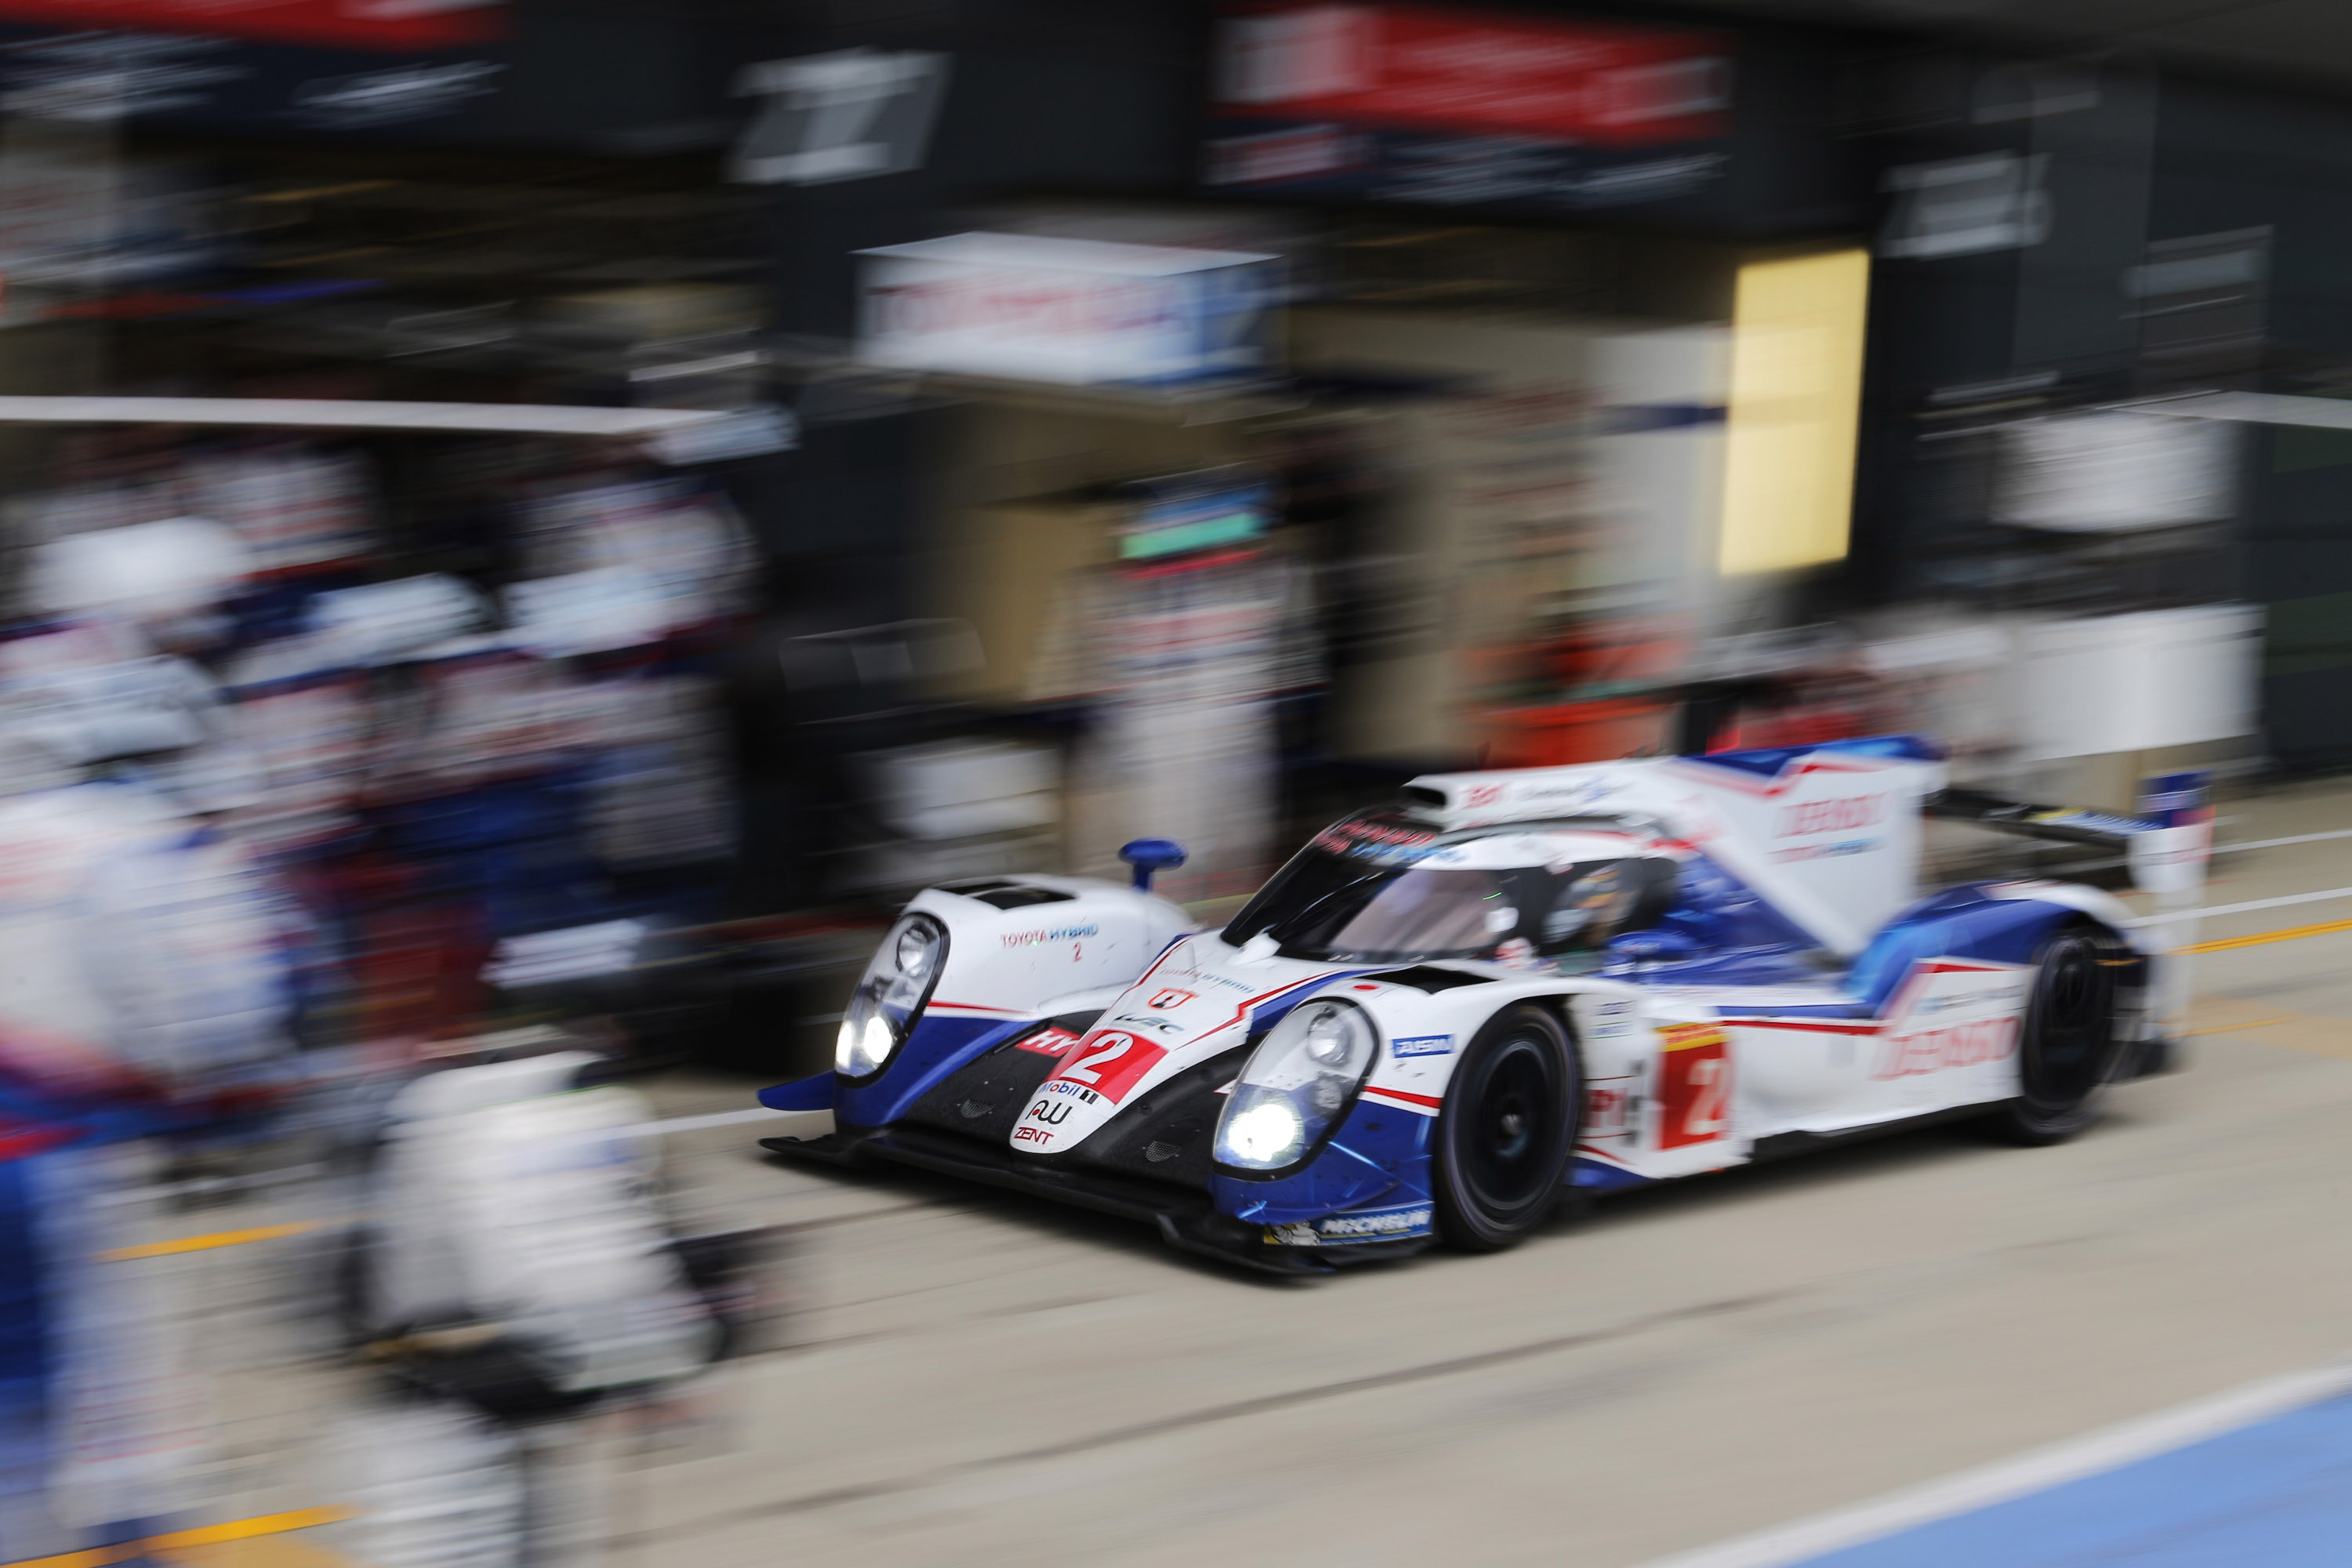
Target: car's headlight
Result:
[1297, 1082]
[889, 994]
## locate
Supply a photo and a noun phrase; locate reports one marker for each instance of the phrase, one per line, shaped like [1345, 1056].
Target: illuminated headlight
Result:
[889, 995]
[1297, 1082]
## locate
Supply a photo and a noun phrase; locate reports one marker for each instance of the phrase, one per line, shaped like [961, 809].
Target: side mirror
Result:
[1640, 947]
[1151, 854]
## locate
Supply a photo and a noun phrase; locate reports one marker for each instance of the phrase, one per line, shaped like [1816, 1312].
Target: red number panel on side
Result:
[1693, 1086]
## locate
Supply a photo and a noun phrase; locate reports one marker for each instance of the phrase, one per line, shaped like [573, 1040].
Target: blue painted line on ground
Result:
[2275, 1495]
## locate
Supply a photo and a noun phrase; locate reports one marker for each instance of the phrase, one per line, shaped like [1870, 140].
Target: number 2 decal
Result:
[1088, 1069]
[1706, 1119]
[1110, 1063]
[1694, 1085]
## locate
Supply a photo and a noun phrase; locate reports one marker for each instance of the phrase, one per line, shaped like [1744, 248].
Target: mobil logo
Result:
[1110, 1062]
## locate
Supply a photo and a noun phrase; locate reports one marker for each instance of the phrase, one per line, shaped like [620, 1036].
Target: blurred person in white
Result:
[125, 921]
[614, 563]
[144, 988]
[517, 1273]
[660, 549]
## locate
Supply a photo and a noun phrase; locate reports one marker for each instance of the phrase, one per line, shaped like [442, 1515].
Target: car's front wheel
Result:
[2067, 1050]
[1508, 1131]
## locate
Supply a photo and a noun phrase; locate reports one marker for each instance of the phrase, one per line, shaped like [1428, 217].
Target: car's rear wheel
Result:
[1508, 1131]
[2066, 1052]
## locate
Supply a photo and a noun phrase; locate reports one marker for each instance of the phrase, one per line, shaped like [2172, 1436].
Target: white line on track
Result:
[2170, 916]
[716, 1119]
[2091, 1454]
[2281, 843]
[2238, 908]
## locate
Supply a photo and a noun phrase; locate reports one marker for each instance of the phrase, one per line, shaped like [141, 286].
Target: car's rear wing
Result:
[2062, 823]
[2164, 856]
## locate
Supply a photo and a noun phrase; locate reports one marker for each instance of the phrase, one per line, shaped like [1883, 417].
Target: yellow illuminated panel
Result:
[1796, 401]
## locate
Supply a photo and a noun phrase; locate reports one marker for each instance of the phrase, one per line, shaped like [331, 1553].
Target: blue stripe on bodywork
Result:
[1766, 761]
[1959, 922]
[801, 1094]
[937, 1047]
[1379, 1152]
[1267, 1014]
[1605, 1178]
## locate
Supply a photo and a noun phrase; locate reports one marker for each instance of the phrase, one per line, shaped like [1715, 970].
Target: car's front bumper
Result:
[1185, 1218]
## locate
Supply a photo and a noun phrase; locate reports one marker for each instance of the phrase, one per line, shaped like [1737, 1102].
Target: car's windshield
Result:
[1336, 907]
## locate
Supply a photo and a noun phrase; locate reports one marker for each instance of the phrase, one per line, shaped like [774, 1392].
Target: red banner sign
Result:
[336, 24]
[1407, 67]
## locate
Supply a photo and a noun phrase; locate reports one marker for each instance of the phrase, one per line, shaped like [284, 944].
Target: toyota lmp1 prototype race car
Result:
[1439, 1021]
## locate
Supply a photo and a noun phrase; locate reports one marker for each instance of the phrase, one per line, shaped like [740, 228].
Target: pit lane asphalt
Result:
[971, 1377]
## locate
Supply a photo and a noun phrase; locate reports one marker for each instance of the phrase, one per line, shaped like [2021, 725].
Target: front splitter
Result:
[1185, 1219]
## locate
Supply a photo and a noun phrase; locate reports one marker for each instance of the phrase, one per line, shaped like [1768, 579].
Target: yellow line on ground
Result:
[2233, 1028]
[201, 1535]
[202, 1243]
[2259, 938]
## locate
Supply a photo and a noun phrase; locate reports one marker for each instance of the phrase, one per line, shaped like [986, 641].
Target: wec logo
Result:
[1831, 816]
[1958, 1045]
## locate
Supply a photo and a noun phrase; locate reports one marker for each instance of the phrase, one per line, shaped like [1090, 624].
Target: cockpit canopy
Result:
[1378, 888]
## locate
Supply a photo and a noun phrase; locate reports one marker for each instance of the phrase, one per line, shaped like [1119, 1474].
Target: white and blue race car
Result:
[1439, 1021]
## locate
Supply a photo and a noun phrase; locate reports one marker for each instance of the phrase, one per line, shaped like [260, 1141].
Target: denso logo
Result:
[1058, 933]
[1842, 815]
[1958, 1046]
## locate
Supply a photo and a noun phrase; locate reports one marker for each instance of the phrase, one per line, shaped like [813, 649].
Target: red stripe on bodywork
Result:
[1817, 1026]
[1409, 1098]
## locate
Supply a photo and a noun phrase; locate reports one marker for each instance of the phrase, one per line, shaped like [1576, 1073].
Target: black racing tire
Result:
[2068, 1048]
[1508, 1131]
